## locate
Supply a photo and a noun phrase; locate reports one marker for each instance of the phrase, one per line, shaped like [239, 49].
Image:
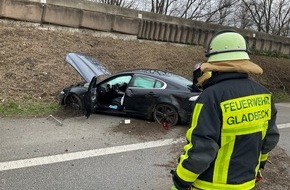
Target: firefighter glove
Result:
[179, 184]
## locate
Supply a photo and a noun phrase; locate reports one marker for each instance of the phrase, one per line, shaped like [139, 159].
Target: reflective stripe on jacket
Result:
[233, 129]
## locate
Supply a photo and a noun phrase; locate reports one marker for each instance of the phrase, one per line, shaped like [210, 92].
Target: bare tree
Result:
[242, 17]
[216, 11]
[205, 10]
[281, 24]
[221, 12]
[192, 9]
[161, 6]
[257, 13]
[120, 3]
[269, 16]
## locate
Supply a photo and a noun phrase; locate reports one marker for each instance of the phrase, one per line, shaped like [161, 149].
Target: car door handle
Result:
[129, 92]
[151, 94]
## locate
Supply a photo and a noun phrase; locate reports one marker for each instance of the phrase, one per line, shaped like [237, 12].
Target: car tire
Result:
[74, 101]
[165, 113]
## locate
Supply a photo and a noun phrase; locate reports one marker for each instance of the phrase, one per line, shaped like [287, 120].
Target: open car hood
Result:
[86, 66]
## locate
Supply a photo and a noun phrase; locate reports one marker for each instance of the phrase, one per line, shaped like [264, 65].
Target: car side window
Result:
[158, 84]
[120, 80]
[147, 82]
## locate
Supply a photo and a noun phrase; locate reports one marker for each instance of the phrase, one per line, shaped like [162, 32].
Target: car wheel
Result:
[74, 101]
[165, 113]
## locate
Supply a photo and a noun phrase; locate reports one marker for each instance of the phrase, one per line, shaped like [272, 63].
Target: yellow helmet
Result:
[226, 46]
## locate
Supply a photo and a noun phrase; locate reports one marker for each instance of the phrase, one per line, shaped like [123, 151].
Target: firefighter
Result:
[233, 122]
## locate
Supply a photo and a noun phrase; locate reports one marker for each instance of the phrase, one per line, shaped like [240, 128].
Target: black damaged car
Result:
[151, 94]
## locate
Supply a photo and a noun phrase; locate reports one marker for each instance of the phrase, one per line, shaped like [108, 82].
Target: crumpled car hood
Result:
[86, 66]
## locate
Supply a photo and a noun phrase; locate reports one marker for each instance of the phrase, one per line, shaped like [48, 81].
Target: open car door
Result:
[90, 98]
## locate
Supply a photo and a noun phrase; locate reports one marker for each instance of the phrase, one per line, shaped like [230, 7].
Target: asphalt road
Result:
[95, 153]
[284, 118]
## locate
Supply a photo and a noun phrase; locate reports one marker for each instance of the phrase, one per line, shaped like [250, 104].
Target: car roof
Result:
[161, 74]
[151, 72]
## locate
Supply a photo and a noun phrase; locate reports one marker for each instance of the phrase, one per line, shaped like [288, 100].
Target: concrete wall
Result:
[144, 25]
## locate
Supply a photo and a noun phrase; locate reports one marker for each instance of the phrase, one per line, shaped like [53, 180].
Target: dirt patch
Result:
[33, 60]
[33, 67]
[146, 130]
[276, 173]
[140, 127]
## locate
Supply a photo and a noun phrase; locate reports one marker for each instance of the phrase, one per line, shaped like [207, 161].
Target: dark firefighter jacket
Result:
[233, 129]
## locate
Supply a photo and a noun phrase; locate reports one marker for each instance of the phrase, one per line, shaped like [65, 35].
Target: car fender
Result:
[80, 91]
[172, 100]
